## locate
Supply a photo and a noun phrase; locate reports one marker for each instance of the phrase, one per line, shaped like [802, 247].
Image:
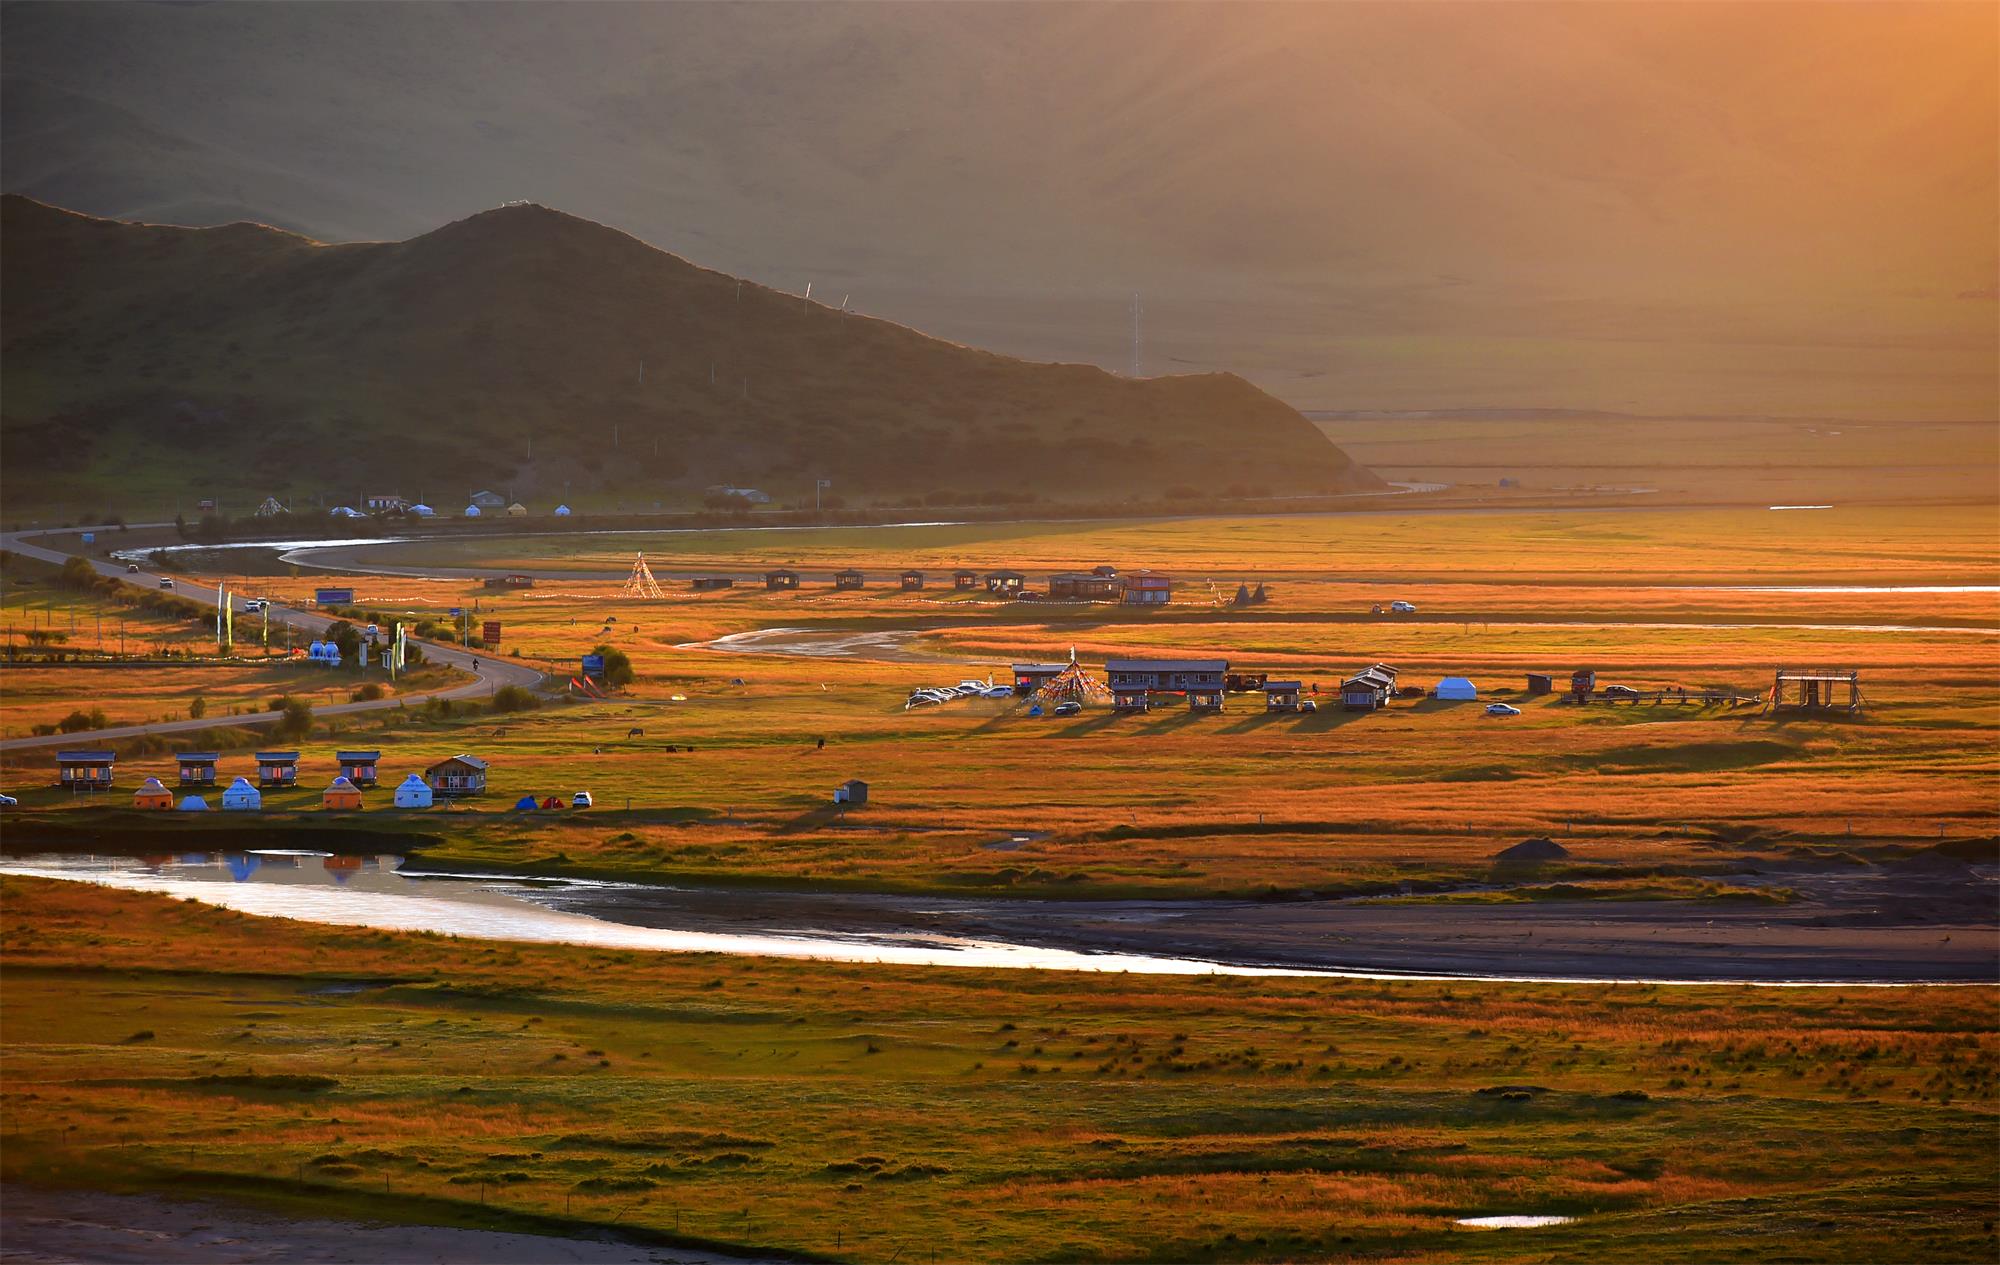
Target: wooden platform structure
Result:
[1677, 696]
[1815, 690]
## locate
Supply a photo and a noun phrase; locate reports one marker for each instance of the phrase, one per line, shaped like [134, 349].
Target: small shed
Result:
[1006, 583]
[413, 792]
[85, 770]
[193, 804]
[853, 791]
[1282, 696]
[1457, 689]
[711, 583]
[151, 795]
[241, 797]
[912, 581]
[197, 767]
[1084, 586]
[358, 767]
[782, 578]
[848, 578]
[341, 796]
[1541, 683]
[459, 775]
[964, 579]
[1029, 677]
[277, 768]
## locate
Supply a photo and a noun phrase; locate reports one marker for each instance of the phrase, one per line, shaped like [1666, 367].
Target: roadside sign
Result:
[593, 665]
[456, 611]
[90, 538]
[491, 633]
[334, 597]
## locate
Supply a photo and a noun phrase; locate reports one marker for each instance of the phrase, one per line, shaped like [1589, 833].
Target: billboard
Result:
[334, 597]
[593, 665]
[491, 633]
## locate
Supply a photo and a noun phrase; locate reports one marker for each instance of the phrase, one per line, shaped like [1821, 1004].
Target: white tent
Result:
[413, 792]
[193, 804]
[562, 511]
[345, 511]
[420, 510]
[242, 797]
[1457, 687]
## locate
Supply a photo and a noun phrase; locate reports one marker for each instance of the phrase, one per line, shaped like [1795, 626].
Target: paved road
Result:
[489, 673]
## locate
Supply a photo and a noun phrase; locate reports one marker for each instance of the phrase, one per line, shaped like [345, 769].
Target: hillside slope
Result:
[534, 351]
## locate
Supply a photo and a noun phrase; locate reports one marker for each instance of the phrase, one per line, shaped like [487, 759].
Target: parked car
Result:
[8, 801]
[998, 691]
[1619, 691]
[1502, 709]
[580, 800]
[1069, 707]
[1402, 608]
[1308, 705]
[166, 581]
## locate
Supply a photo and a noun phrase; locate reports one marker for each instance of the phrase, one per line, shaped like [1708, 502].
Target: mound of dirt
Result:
[1533, 850]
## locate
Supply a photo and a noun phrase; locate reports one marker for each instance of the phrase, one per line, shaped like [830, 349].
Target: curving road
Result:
[489, 672]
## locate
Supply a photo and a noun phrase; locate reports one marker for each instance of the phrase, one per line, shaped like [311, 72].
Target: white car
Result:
[1502, 709]
[977, 687]
[1403, 608]
[254, 604]
[580, 800]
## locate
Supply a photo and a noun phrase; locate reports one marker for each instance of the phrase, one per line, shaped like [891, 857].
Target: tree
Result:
[198, 708]
[512, 698]
[617, 666]
[297, 720]
[348, 638]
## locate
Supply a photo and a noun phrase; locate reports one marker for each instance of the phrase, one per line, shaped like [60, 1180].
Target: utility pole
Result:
[1137, 361]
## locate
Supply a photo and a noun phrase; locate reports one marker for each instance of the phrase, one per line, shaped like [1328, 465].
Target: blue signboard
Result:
[593, 665]
[90, 538]
[334, 597]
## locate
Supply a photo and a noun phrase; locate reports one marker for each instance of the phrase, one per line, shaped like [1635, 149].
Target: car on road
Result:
[1619, 691]
[1502, 709]
[131, 568]
[1308, 705]
[1069, 707]
[166, 581]
[1402, 608]
[8, 801]
[254, 604]
[580, 800]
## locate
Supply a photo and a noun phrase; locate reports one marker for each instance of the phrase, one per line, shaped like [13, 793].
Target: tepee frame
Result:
[641, 582]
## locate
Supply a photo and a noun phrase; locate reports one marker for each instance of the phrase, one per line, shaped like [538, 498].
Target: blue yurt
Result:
[562, 511]
[420, 510]
[242, 797]
[413, 792]
[472, 511]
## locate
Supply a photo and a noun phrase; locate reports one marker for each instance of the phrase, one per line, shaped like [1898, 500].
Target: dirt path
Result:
[76, 1227]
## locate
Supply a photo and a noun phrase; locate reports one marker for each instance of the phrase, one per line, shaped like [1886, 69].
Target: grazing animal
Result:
[635, 733]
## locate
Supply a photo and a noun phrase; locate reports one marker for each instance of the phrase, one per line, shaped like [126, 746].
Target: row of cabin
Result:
[340, 795]
[96, 770]
[1142, 588]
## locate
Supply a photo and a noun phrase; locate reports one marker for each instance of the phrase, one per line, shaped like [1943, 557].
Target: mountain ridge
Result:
[527, 345]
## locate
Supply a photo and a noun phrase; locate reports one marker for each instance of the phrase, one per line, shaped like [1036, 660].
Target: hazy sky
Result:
[1703, 208]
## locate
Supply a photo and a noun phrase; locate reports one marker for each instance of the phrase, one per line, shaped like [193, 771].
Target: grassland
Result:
[875, 1114]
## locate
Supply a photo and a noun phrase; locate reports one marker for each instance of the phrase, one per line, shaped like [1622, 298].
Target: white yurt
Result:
[1457, 687]
[242, 797]
[562, 511]
[413, 792]
[472, 511]
[420, 510]
[193, 804]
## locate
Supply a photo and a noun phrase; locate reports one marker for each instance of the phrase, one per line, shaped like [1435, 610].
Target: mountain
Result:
[1743, 208]
[537, 351]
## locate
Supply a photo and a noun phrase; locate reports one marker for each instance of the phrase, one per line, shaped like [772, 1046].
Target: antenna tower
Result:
[641, 582]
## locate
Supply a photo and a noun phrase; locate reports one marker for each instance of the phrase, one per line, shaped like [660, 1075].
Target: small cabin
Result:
[1541, 683]
[358, 767]
[912, 581]
[277, 768]
[853, 791]
[1282, 696]
[459, 775]
[85, 770]
[711, 583]
[1029, 677]
[1005, 583]
[1368, 689]
[781, 579]
[509, 582]
[1084, 586]
[1148, 588]
[197, 767]
[848, 578]
[964, 579]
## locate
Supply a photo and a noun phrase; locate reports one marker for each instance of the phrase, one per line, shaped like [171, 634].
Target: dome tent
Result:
[562, 511]
[242, 797]
[420, 510]
[526, 804]
[152, 795]
[472, 511]
[340, 796]
[193, 804]
[413, 792]
[1457, 687]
